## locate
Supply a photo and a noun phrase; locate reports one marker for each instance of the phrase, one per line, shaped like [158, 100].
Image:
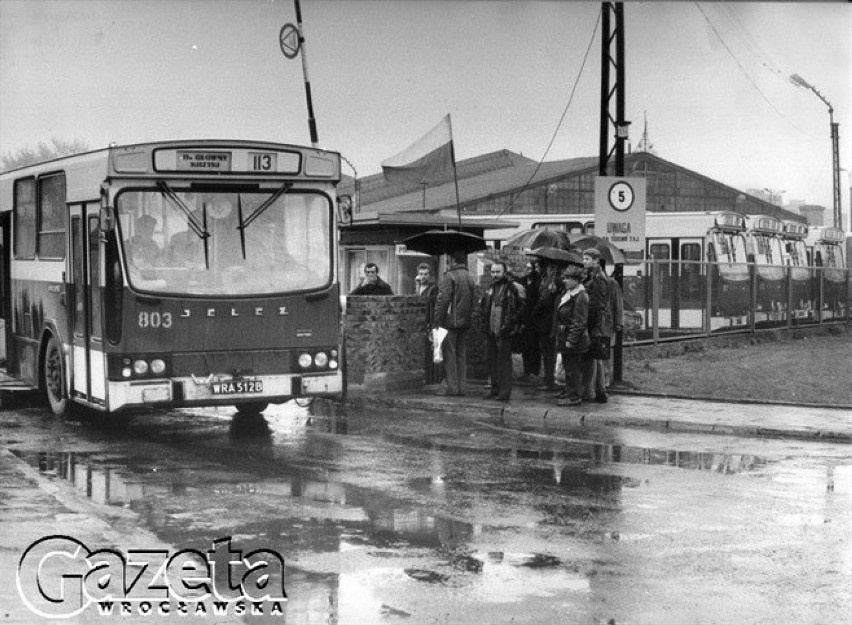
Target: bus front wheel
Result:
[54, 379]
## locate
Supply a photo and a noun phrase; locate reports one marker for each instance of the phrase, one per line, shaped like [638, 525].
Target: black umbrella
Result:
[437, 242]
[610, 253]
[539, 237]
[557, 255]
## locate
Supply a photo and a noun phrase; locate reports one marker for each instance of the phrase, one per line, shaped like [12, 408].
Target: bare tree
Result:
[42, 152]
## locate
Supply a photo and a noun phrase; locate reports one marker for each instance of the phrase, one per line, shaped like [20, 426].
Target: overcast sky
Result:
[712, 78]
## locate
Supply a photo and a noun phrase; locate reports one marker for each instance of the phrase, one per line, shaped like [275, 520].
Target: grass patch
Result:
[812, 370]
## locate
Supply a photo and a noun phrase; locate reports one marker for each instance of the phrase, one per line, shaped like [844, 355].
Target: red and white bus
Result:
[177, 273]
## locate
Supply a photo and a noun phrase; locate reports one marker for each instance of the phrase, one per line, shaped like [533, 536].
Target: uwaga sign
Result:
[58, 577]
[620, 212]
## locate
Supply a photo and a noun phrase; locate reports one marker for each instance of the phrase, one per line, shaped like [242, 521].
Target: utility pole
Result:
[612, 56]
[835, 149]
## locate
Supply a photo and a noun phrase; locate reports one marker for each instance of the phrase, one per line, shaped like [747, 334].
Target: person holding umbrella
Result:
[453, 311]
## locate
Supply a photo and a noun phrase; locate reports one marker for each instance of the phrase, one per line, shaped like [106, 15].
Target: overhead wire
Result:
[750, 42]
[743, 69]
[515, 196]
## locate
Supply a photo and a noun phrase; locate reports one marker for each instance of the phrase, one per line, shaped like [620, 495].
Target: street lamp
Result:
[835, 151]
[849, 182]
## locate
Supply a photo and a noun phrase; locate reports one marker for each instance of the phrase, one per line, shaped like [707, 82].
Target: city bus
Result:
[766, 251]
[825, 249]
[681, 243]
[173, 274]
[802, 292]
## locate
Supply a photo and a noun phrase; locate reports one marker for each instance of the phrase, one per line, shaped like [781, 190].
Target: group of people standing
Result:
[574, 311]
[554, 308]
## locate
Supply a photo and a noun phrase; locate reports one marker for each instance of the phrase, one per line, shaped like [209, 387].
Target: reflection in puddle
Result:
[602, 454]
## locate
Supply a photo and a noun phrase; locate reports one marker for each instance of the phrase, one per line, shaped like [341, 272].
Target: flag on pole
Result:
[426, 161]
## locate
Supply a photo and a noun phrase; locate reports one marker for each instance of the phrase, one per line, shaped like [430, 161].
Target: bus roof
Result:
[217, 159]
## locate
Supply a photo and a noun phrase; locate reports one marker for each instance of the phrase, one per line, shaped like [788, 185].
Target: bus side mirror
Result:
[344, 209]
[107, 217]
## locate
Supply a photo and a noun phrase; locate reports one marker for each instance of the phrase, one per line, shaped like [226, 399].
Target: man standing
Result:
[541, 316]
[502, 311]
[427, 291]
[529, 340]
[453, 311]
[615, 318]
[372, 284]
[597, 288]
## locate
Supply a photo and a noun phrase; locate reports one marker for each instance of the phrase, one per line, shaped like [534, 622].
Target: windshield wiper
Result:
[169, 193]
[198, 228]
[241, 228]
[266, 204]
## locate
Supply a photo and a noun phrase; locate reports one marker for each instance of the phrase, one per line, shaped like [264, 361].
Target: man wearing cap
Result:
[596, 286]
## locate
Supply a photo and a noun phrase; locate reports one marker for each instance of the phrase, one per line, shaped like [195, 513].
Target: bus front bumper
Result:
[222, 390]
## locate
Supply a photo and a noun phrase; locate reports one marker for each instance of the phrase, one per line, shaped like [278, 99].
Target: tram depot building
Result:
[502, 183]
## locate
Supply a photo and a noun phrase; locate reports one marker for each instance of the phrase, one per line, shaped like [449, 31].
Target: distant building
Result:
[505, 182]
[814, 213]
[768, 195]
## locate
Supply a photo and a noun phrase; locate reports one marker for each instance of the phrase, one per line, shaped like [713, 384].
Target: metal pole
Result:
[620, 127]
[835, 169]
[312, 122]
[605, 63]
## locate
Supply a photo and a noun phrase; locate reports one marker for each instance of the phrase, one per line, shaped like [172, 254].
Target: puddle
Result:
[590, 454]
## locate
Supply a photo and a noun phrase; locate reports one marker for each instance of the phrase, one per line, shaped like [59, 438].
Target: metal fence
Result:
[670, 300]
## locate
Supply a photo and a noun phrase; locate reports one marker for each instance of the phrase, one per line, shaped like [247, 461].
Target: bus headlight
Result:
[140, 367]
[332, 364]
[305, 361]
[125, 372]
[157, 366]
[321, 359]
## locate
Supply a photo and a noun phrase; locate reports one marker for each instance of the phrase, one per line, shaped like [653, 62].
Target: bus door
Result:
[85, 305]
[6, 342]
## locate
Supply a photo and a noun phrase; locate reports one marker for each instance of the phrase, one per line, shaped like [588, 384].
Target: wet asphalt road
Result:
[423, 517]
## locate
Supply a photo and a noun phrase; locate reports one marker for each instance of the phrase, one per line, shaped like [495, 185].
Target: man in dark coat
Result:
[542, 320]
[531, 352]
[502, 311]
[372, 284]
[453, 311]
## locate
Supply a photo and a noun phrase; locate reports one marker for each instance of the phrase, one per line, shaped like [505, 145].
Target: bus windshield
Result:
[767, 249]
[729, 248]
[225, 243]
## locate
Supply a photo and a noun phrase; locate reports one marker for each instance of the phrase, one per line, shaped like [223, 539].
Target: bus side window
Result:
[24, 230]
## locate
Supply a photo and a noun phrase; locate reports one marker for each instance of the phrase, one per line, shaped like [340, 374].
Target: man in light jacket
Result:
[453, 311]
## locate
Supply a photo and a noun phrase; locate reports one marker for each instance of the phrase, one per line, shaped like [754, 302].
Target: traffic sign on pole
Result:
[620, 212]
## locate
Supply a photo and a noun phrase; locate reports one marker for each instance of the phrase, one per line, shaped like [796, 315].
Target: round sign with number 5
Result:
[621, 196]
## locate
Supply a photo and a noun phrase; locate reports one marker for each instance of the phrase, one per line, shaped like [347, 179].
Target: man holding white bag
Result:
[453, 312]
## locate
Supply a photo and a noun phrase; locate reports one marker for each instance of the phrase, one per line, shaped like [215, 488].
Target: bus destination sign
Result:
[193, 160]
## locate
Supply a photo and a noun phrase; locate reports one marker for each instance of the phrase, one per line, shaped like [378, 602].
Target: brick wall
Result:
[385, 345]
[384, 341]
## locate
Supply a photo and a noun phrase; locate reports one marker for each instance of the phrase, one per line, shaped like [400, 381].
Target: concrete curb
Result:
[573, 417]
[743, 401]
